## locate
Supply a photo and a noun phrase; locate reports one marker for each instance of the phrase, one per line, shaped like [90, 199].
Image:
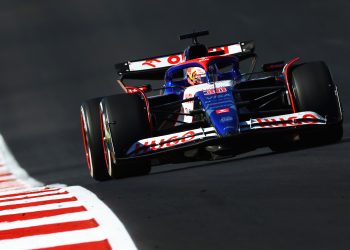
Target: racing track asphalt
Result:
[55, 55]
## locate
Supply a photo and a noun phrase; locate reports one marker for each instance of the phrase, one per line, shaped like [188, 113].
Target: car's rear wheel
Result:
[314, 90]
[124, 121]
[92, 139]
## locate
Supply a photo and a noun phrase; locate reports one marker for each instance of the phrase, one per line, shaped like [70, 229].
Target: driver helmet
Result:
[195, 75]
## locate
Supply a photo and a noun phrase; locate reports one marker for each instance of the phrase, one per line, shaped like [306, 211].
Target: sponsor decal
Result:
[295, 119]
[163, 61]
[156, 62]
[220, 111]
[214, 91]
[226, 119]
[291, 120]
[224, 48]
[157, 143]
[161, 142]
[171, 60]
[151, 62]
[175, 59]
[208, 90]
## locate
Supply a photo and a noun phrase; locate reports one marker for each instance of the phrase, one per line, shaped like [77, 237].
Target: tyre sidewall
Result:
[90, 114]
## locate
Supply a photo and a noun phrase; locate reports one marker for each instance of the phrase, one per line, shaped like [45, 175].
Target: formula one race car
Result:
[207, 108]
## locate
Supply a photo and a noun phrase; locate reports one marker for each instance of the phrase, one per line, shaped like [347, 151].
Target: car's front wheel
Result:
[124, 121]
[92, 139]
[314, 90]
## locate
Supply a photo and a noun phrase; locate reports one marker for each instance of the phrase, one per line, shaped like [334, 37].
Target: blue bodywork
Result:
[218, 104]
[222, 111]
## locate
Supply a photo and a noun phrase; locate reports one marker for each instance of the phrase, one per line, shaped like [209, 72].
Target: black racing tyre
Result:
[314, 90]
[124, 121]
[92, 139]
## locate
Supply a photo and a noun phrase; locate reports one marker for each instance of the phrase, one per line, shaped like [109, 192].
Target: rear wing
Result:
[154, 68]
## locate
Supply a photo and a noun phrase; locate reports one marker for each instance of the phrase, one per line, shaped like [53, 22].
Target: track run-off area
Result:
[34, 216]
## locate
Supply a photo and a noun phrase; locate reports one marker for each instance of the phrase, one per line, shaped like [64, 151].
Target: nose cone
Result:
[225, 120]
[222, 111]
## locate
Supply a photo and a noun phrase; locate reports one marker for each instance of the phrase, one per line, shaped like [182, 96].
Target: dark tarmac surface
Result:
[54, 55]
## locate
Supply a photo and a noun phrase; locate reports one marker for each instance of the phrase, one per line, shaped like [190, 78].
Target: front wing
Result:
[208, 136]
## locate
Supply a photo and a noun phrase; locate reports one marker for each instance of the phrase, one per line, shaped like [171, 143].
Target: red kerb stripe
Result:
[37, 203]
[34, 196]
[30, 192]
[100, 245]
[2, 174]
[47, 229]
[40, 214]
[7, 180]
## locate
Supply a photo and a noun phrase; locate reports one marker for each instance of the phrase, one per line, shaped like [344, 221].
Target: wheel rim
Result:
[106, 141]
[86, 142]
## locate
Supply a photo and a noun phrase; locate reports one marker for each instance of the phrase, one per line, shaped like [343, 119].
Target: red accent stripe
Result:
[137, 90]
[285, 73]
[34, 196]
[82, 124]
[103, 142]
[100, 245]
[41, 214]
[7, 180]
[47, 229]
[37, 203]
[5, 174]
[30, 192]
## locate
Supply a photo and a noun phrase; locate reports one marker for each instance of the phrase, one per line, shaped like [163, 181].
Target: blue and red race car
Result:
[208, 107]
